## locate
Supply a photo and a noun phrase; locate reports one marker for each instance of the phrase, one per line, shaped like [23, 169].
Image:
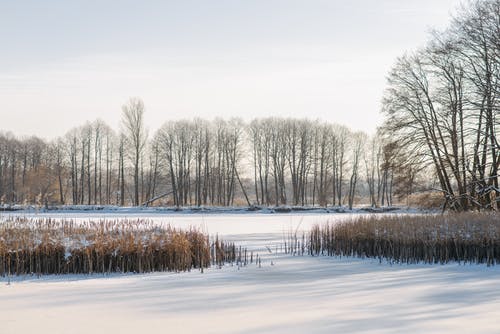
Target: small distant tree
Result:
[136, 135]
[357, 150]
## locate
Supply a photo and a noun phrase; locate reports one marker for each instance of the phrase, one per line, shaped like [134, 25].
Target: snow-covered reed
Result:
[46, 246]
[466, 237]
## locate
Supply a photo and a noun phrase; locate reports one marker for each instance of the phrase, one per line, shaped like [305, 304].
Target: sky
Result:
[66, 62]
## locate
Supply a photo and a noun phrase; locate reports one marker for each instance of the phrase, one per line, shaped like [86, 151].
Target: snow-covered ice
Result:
[298, 294]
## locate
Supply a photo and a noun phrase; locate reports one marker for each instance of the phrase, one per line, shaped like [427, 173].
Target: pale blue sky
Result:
[64, 62]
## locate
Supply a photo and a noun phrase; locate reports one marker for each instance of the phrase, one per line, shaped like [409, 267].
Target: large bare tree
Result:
[442, 104]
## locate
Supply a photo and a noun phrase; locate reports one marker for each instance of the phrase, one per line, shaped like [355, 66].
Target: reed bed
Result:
[463, 238]
[46, 246]
[224, 252]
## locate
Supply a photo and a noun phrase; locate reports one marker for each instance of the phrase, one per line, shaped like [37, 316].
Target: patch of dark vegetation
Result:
[467, 238]
[379, 210]
[303, 208]
[282, 209]
[8, 208]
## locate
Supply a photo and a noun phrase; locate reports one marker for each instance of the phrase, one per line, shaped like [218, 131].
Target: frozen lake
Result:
[243, 228]
[287, 294]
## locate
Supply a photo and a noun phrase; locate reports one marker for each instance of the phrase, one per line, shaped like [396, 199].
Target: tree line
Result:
[268, 162]
[442, 105]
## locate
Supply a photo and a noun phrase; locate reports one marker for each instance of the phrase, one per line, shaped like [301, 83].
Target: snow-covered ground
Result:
[286, 294]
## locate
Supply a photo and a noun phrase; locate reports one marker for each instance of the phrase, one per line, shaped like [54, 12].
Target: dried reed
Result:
[47, 246]
[467, 238]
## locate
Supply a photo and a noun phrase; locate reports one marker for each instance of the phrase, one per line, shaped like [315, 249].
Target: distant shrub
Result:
[427, 200]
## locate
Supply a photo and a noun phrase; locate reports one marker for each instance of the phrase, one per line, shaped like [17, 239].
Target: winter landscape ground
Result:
[287, 294]
[242, 166]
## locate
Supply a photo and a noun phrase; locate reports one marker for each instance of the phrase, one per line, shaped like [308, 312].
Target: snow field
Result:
[300, 294]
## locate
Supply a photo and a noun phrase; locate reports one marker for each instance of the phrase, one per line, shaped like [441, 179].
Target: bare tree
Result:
[442, 103]
[358, 140]
[339, 146]
[133, 127]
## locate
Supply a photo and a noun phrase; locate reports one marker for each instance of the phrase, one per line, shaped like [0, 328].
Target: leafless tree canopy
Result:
[266, 162]
[133, 129]
[442, 107]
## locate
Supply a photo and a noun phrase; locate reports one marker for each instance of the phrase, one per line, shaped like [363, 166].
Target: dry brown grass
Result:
[57, 247]
[466, 237]
[426, 200]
